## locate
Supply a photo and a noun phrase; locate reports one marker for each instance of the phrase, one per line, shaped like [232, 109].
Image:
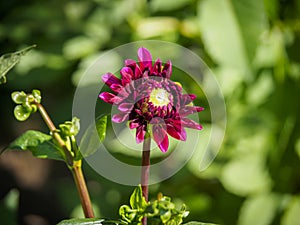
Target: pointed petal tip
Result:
[200, 127]
[160, 136]
[103, 96]
[163, 150]
[168, 69]
[140, 134]
[109, 98]
[144, 55]
[119, 118]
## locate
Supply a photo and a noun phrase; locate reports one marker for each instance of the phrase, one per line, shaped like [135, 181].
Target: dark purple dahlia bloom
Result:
[150, 101]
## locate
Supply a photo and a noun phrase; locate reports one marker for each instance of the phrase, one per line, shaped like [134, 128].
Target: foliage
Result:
[252, 48]
[88, 142]
[41, 145]
[9, 60]
[160, 211]
[89, 221]
[26, 103]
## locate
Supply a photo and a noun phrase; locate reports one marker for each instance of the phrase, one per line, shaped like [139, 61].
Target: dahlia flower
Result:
[151, 103]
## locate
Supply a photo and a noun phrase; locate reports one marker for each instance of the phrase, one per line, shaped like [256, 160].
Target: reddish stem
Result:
[145, 169]
[82, 190]
[74, 166]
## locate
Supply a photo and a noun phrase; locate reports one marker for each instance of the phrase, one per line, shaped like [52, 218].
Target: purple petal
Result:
[125, 107]
[129, 62]
[144, 55]
[134, 124]
[140, 134]
[119, 118]
[187, 110]
[110, 98]
[187, 99]
[145, 58]
[160, 137]
[191, 124]
[127, 75]
[157, 67]
[116, 87]
[167, 69]
[110, 79]
[137, 73]
[156, 120]
[176, 131]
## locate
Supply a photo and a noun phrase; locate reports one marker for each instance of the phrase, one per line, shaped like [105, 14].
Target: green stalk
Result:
[82, 190]
[74, 166]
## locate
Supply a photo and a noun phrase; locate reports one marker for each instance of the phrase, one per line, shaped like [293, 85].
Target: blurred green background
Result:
[252, 47]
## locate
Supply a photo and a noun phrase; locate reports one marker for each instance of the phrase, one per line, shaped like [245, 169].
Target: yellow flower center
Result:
[159, 97]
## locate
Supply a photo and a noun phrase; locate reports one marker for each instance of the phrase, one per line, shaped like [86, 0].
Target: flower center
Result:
[159, 97]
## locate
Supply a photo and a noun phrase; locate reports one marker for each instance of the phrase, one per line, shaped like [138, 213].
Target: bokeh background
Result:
[251, 46]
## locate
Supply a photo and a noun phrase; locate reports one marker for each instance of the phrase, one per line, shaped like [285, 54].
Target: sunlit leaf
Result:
[246, 175]
[93, 136]
[137, 200]
[259, 92]
[259, 210]
[165, 27]
[291, 215]
[229, 79]
[79, 47]
[89, 221]
[41, 145]
[22, 113]
[126, 8]
[12, 199]
[271, 52]
[9, 205]
[231, 29]
[37, 95]
[9, 60]
[168, 5]
[19, 97]
[198, 223]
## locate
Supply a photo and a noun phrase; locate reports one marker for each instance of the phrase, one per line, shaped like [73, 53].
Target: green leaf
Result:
[137, 200]
[168, 5]
[246, 175]
[297, 147]
[89, 221]
[128, 214]
[93, 136]
[22, 113]
[41, 145]
[166, 216]
[231, 30]
[70, 128]
[101, 125]
[198, 223]
[259, 210]
[291, 215]
[19, 97]
[259, 92]
[79, 47]
[37, 95]
[9, 60]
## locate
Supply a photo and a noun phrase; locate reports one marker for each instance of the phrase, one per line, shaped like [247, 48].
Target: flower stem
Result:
[74, 166]
[145, 169]
[55, 135]
[82, 190]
